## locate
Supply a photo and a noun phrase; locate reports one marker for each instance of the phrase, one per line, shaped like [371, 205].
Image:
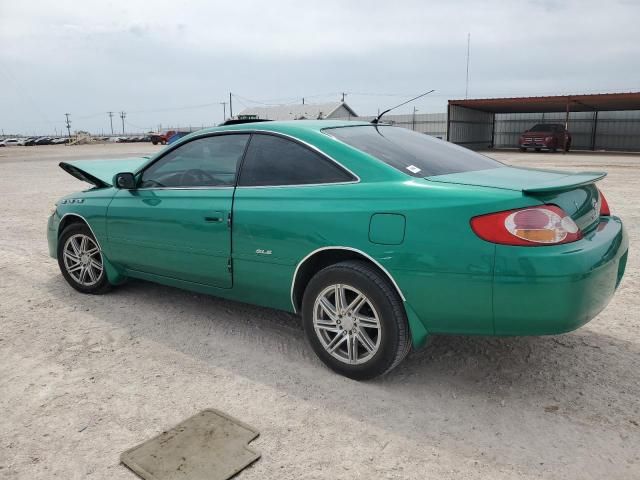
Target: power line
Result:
[111, 121]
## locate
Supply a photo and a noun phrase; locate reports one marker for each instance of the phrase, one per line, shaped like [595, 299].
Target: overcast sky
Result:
[155, 59]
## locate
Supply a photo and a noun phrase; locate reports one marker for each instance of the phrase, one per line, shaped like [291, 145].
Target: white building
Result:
[303, 111]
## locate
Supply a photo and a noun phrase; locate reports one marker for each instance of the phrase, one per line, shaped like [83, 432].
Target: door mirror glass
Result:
[124, 180]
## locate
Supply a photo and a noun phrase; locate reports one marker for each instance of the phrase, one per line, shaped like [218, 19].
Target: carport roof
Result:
[557, 103]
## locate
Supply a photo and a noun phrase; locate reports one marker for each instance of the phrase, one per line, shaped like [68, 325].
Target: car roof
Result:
[285, 126]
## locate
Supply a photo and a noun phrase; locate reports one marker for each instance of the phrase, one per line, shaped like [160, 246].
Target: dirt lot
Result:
[83, 378]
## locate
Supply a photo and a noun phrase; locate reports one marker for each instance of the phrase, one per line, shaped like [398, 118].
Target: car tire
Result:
[553, 150]
[567, 147]
[363, 342]
[80, 260]
[523, 149]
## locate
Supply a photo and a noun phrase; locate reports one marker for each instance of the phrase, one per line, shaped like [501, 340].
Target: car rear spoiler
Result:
[565, 183]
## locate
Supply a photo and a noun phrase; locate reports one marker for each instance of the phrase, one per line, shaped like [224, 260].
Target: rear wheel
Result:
[523, 149]
[355, 320]
[80, 260]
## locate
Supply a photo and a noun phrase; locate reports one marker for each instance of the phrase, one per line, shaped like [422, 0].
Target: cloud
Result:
[131, 55]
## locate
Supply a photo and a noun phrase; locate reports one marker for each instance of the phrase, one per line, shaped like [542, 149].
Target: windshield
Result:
[544, 127]
[415, 154]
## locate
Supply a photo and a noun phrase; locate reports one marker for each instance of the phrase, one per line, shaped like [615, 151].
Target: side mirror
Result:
[124, 180]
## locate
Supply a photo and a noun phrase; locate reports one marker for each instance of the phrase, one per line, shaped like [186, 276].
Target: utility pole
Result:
[413, 122]
[230, 106]
[303, 100]
[123, 115]
[344, 94]
[68, 124]
[111, 121]
[224, 110]
[466, 88]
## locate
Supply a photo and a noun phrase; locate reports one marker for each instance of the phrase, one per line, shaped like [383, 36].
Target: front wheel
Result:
[80, 260]
[355, 320]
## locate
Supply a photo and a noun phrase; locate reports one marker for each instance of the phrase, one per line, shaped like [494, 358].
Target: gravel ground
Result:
[82, 378]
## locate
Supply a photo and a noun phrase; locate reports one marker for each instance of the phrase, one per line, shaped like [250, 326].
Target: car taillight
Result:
[534, 226]
[604, 205]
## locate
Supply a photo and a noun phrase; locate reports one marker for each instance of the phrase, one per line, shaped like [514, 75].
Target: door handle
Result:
[213, 219]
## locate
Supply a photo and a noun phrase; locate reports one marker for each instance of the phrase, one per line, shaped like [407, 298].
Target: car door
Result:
[285, 205]
[176, 222]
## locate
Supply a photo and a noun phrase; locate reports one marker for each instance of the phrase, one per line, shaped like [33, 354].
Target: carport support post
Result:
[493, 130]
[593, 130]
[448, 122]
[566, 128]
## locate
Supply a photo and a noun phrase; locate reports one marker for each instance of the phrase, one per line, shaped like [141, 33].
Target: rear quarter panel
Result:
[442, 268]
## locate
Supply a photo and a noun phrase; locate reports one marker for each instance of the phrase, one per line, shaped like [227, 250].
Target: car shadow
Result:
[463, 387]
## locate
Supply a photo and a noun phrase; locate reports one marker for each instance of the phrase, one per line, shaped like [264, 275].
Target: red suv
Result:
[550, 136]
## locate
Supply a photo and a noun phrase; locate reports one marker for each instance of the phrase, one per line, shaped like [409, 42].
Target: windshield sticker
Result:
[413, 169]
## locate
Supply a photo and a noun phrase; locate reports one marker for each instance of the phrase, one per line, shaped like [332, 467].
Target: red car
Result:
[161, 138]
[550, 136]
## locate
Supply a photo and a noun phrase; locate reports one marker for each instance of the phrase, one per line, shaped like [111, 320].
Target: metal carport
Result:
[497, 122]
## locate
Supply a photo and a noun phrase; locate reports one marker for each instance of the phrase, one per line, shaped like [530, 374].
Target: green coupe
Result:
[378, 236]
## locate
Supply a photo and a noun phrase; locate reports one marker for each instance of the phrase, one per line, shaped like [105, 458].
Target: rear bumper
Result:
[550, 290]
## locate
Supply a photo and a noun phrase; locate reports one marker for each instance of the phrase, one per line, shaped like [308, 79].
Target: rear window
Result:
[415, 154]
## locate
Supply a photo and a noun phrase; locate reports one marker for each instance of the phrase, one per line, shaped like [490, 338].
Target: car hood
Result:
[526, 180]
[100, 172]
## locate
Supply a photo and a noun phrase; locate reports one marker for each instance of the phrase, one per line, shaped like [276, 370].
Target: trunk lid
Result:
[100, 172]
[575, 193]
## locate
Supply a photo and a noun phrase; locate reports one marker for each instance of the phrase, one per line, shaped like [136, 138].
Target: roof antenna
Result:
[377, 119]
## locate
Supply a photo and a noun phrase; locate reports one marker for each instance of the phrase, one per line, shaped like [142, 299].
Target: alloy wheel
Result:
[82, 259]
[347, 324]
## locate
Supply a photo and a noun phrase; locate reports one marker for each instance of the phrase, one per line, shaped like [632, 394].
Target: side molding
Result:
[368, 257]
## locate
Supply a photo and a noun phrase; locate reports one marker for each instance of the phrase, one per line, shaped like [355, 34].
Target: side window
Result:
[273, 160]
[205, 162]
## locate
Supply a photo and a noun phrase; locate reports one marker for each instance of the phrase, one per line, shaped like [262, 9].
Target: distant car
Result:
[548, 136]
[377, 234]
[43, 141]
[11, 142]
[161, 138]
